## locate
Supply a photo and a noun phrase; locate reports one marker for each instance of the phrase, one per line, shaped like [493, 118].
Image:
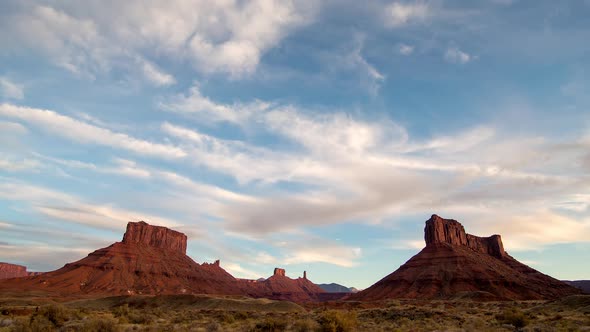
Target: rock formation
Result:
[155, 236]
[439, 230]
[8, 270]
[281, 287]
[455, 264]
[149, 260]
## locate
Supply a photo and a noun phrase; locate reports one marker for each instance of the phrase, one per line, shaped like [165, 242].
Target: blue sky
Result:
[308, 135]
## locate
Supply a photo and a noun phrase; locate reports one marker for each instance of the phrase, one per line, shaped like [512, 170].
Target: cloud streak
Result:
[85, 133]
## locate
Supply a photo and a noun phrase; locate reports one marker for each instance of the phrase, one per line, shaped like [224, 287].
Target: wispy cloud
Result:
[455, 55]
[84, 133]
[11, 90]
[405, 49]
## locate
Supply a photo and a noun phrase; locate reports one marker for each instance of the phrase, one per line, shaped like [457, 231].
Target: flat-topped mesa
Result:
[155, 236]
[279, 272]
[8, 270]
[440, 230]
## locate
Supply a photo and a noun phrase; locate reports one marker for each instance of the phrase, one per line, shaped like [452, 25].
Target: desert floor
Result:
[206, 313]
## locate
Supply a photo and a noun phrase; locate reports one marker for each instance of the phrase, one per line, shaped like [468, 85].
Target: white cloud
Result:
[82, 132]
[11, 90]
[218, 36]
[155, 75]
[405, 49]
[13, 165]
[398, 14]
[63, 206]
[205, 110]
[335, 255]
[238, 271]
[455, 55]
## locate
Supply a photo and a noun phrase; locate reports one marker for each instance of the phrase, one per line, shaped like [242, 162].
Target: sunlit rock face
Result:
[155, 236]
[8, 270]
[439, 230]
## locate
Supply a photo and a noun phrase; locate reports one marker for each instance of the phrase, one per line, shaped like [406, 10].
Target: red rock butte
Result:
[455, 264]
[155, 236]
[439, 230]
[8, 270]
[149, 260]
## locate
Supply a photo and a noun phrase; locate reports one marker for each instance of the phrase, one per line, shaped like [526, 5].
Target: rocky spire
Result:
[155, 236]
[440, 230]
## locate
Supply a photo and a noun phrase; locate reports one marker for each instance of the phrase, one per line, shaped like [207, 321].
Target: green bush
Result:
[338, 321]
[305, 325]
[56, 314]
[121, 311]
[514, 317]
[270, 325]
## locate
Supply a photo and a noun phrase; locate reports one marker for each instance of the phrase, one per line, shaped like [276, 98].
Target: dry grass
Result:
[187, 314]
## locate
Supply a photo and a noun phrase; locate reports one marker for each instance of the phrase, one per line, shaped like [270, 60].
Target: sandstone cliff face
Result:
[8, 270]
[155, 236]
[279, 272]
[440, 230]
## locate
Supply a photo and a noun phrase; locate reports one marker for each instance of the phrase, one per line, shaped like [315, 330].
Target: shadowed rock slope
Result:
[149, 260]
[455, 264]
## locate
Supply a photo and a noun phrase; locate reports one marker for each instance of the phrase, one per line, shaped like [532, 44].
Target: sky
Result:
[308, 135]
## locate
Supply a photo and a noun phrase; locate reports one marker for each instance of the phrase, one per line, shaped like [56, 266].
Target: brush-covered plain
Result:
[209, 313]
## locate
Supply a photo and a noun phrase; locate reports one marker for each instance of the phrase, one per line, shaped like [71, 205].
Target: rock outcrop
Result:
[455, 264]
[149, 260]
[439, 230]
[155, 236]
[8, 270]
[281, 287]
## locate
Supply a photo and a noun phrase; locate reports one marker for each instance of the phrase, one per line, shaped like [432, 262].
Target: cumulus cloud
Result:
[84, 133]
[11, 90]
[455, 55]
[219, 36]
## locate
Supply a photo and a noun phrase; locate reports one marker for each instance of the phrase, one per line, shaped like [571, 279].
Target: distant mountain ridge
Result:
[337, 288]
[584, 285]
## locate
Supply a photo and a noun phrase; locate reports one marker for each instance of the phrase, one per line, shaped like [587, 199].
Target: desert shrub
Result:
[338, 321]
[213, 327]
[20, 325]
[305, 325]
[100, 325]
[121, 311]
[40, 324]
[270, 324]
[227, 317]
[514, 317]
[140, 317]
[56, 314]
